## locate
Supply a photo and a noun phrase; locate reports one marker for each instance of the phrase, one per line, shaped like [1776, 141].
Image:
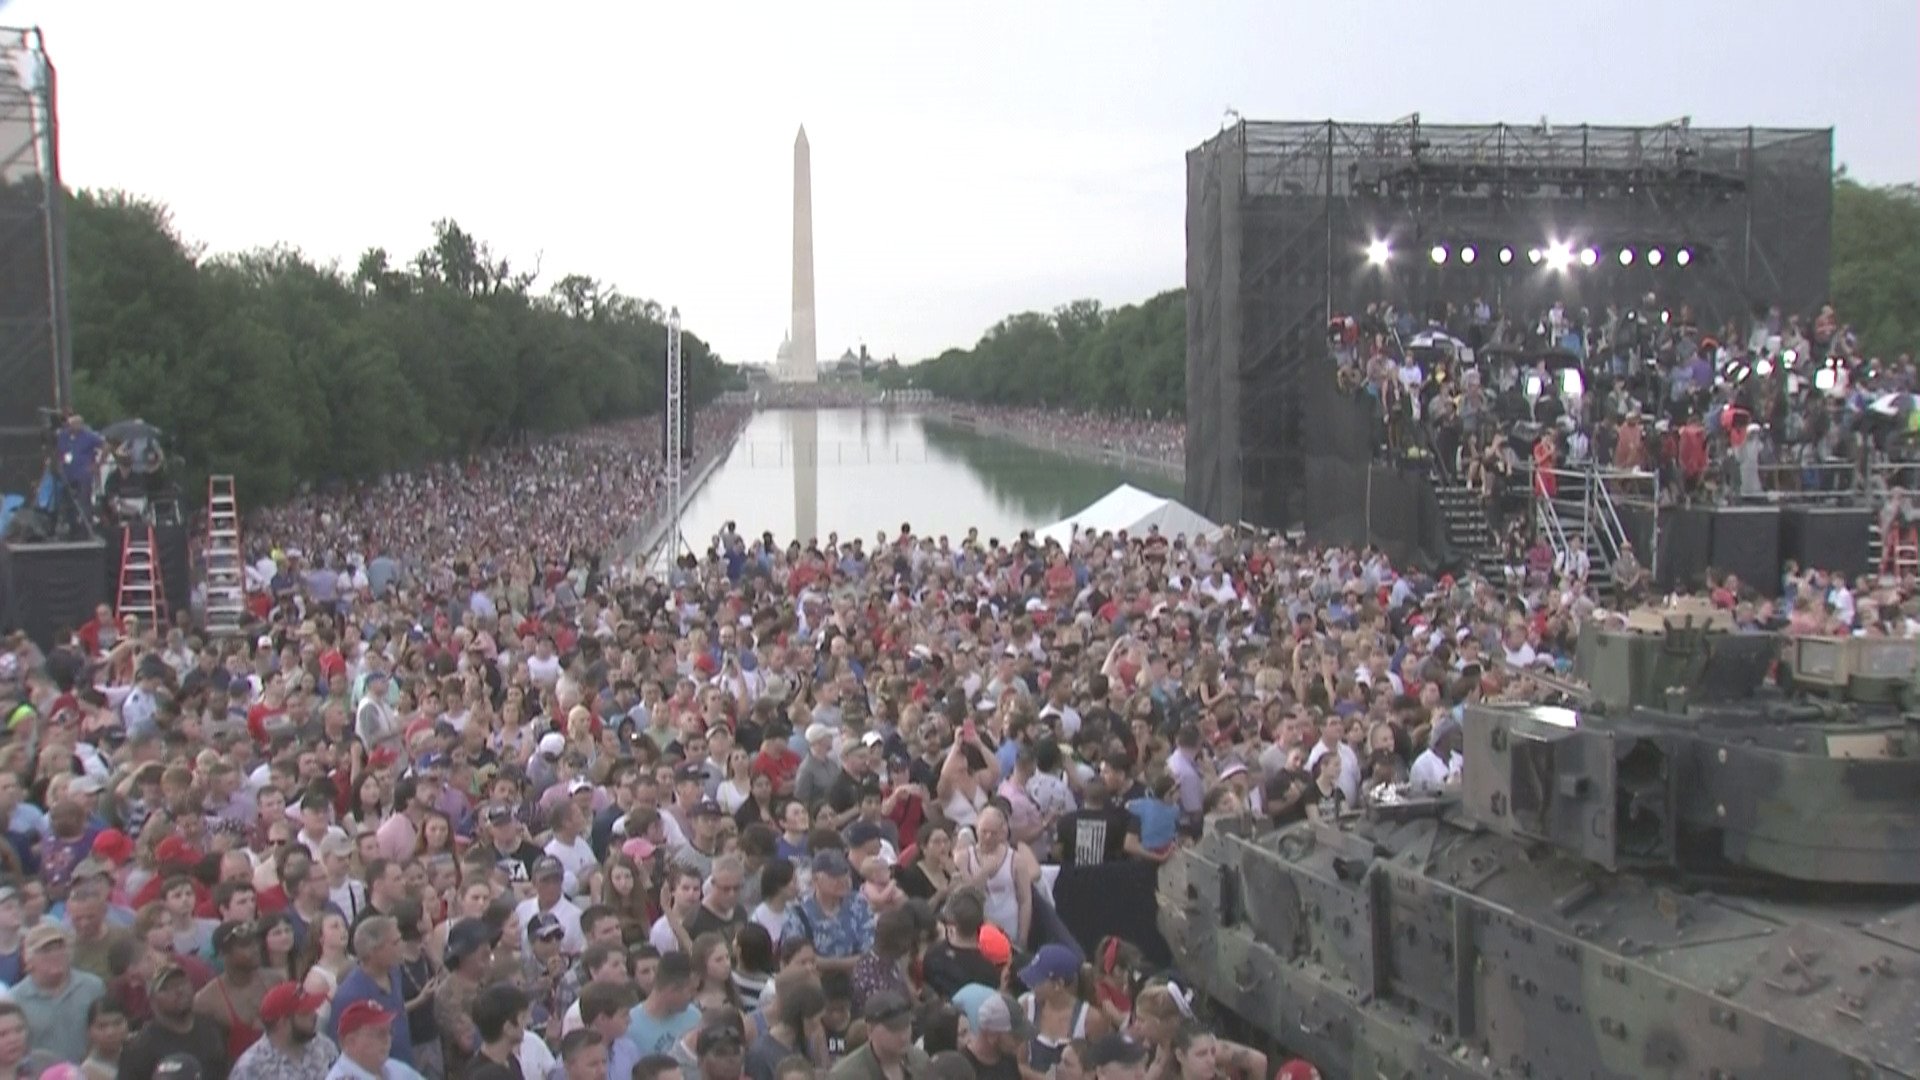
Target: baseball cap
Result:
[44, 935]
[164, 974]
[579, 785]
[548, 867]
[1051, 962]
[286, 1000]
[1115, 1049]
[545, 926]
[113, 845]
[175, 849]
[363, 1014]
[832, 861]
[177, 1067]
[888, 1009]
[719, 1039]
[499, 814]
[91, 868]
[229, 934]
[553, 744]
[467, 937]
[995, 946]
[690, 773]
[872, 738]
[863, 832]
[817, 732]
[707, 808]
[336, 844]
[85, 785]
[998, 1014]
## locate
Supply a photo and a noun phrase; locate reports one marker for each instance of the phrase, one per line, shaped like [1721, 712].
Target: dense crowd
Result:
[1159, 439]
[1741, 411]
[538, 502]
[474, 807]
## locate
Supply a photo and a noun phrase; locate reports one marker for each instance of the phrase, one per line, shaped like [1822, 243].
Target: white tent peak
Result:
[1127, 507]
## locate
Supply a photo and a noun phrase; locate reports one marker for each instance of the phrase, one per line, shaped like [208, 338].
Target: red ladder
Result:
[142, 594]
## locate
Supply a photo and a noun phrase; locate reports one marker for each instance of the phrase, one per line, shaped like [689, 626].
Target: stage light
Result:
[1589, 256]
[1506, 255]
[1654, 257]
[1467, 254]
[1438, 254]
[1682, 257]
[1626, 256]
[1378, 252]
[1559, 256]
[1789, 357]
[1533, 256]
[1763, 367]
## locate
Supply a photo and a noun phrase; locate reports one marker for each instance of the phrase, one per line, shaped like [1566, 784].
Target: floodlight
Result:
[1506, 255]
[1654, 257]
[1439, 253]
[1467, 254]
[1683, 257]
[1588, 256]
[1533, 256]
[1626, 256]
[1378, 252]
[1559, 255]
[1788, 357]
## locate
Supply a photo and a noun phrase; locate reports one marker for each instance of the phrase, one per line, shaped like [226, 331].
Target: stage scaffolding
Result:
[36, 361]
[1280, 216]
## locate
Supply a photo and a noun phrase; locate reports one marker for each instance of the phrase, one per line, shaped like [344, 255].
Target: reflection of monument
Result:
[798, 361]
[803, 433]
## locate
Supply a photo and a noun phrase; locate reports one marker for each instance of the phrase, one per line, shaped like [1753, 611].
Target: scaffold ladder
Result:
[226, 570]
[142, 594]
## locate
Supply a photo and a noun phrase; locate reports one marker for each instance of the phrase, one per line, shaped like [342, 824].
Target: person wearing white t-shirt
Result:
[1439, 766]
[572, 850]
[1332, 742]
[543, 667]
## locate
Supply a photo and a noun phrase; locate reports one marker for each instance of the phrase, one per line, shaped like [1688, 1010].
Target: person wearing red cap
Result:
[366, 1037]
[173, 856]
[292, 1047]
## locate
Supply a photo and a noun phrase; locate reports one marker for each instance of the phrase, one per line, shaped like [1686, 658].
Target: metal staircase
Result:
[226, 612]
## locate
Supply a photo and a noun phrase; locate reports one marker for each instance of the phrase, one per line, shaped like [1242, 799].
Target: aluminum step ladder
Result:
[226, 597]
[142, 594]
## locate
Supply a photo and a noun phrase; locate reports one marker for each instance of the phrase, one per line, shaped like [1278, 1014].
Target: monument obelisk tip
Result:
[802, 363]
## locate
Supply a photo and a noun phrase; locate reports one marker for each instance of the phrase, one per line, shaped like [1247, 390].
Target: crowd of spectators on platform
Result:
[1744, 411]
[1154, 438]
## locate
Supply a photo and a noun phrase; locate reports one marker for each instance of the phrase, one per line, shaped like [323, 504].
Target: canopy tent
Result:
[1127, 507]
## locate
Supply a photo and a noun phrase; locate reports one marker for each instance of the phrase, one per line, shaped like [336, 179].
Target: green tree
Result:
[286, 372]
[1876, 264]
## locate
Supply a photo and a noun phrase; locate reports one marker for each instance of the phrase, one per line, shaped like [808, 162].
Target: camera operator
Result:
[77, 448]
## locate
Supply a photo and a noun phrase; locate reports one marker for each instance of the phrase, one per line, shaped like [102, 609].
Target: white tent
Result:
[1127, 507]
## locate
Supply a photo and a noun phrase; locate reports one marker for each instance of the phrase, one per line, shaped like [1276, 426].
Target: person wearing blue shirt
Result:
[655, 1025]
[79, 448]
[1158, 815]
[376, 978]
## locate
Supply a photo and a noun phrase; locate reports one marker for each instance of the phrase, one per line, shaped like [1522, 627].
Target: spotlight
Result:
[1789, 357]
[1683, 257]
[1763, 367]
[1467, 254]
[1378, 252]
[1533, 256]
[1589, 256]
[1626, 256]
[1439, 253]
[1559, 255]
[1506, 255]
[1654, 257]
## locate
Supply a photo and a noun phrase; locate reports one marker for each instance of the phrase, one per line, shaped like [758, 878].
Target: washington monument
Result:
[800, 363]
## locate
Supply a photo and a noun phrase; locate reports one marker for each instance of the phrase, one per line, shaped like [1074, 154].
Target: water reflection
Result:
[867, 471]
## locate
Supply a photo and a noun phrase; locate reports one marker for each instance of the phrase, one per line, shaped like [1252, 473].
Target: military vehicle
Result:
[1707, 865]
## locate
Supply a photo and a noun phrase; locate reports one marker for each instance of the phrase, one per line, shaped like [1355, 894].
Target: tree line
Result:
[1133, 359]
[284, 371]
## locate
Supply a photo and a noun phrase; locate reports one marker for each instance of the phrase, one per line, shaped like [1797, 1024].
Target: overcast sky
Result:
[970, 159]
